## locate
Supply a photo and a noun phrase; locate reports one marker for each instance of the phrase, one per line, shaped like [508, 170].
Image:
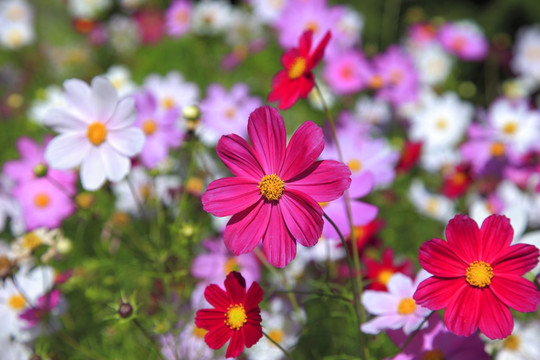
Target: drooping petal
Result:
[267, 133]
[67, 151]
[516, 292]
[228, 196]
[218, 336]
[303, 217]
[217, 297]
[516, 259]
[304, 148]
[463, 311]
[128, 142]
[496, 234]
[437, 258]
[496, 321]
[435, 293]
[124, 115]
[254, 296]
[279, 244]
[323, 181]
[236, 287]
[116, 165]
[92, 170]
[104, 98]
[246, 229]
[463, 238]
[238, 156]
[209, 318]
[318, 53]
[379, 302]
[252, 333]
[78, 94]
[236, 345]
[62, 120]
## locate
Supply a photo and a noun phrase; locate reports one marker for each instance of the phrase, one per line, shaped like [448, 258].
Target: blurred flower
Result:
[522, 344]
[409, 156]
[297, 80]
[120, 78]
[189, 344]
[88, 9]
[150, 23]
[526, 61]
[178, 18]
[435, 206]
[315, 99]
[123, 34]
[477, 276]
[347, 73]
[433, 64]
[378, 273]
[267, 11]
[96, 133]
[372, 111]
[47, 98]
[210, 17]
[14, 35]
[242, 324]
[45, 306]
[464, 39]
[171, 91]
[275, 193]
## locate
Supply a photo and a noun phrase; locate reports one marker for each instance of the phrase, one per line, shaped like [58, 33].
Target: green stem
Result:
[319, 293]
[411, 337]
[285, 352]
[147, 335]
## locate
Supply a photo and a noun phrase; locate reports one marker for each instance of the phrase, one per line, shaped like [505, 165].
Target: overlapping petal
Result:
[516, 292]
[497, 234]
[435, 293]
[463, 312]
[303, 217]
[238, 156]
[496, 320]
[267, 133]
[304, 148]
[104, 98]
[67, 151]
[279, 244]
[236, 287]
[516, 259]
[464, 238]
[246, 229]
[228, 196]
[437, 258]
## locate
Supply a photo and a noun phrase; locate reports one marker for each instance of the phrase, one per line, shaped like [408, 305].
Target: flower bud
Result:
[191, 112]
[40, 170]
[84, 200]
[125, 310]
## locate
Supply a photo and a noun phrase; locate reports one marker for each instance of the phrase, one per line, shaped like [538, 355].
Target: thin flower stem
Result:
[138, 201]
[285, 352]
[147, 335]
[411, 337]
[356, 260]
[319, 293]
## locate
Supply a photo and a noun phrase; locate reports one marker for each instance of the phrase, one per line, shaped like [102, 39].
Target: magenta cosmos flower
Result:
[478, 276]
[277, 189]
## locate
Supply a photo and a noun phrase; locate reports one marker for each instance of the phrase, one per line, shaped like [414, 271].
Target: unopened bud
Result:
[125, 310]
[84, 200]
[191, 112]
[40, 170]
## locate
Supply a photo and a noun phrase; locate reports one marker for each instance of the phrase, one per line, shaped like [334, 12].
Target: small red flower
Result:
[379, 273]
[297, 80]
[477, 276]
[409, 156]
[236, 315]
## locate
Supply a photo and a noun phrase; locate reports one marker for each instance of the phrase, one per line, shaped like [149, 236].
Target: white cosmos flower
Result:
[433, 64]
[526, 61]
[96, 132]
[435, 206]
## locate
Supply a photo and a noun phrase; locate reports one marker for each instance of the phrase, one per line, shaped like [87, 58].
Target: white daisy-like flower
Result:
[243, 28]
[315, 100]
[433, 64]
[14, 349]
[15, 11]
[522, 344]
[14, 35]
[526, 61]
[50, 97]
[268, 11]
[211, 17]
[373, 111]
[348, 29]
[120, 77]
[436, 158]
[96, 132]
[123, 32]
[435, 206]
[88, 9]
[172, 91]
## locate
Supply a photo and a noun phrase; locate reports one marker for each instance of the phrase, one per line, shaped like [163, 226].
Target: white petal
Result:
[380, 323]
[116, 165]
[128, 142]
[379, 302]
[104, 97]
[67, 151]
[92, 170]
[62, 120]
[124, 115]
[400, 285]
[78, 95]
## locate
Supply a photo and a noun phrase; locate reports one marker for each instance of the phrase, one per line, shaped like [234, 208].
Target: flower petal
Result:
[304, 148]
[380, 323]
[252, 333]
[516, 292]
[246, 229]
[229, 196]
[239, 157]
[128, 142]
[303, 217]
[361, 184]
[325, 180]
[400, 285]
[496, 235]
[78, 94]
[236, 345]
[516, 259]
[437, 258]
[379, 302]
[463, 312]
[236, 287]
[279, 244]
[463, 238]
[253, 297]
[124, 114]
[218, 336]
[209, 318]
[92, 170]
[267, 133]
[104, 98]
[62, 120]
[115, 164]
[496, 320]
[67, 151]
[435, 293]
[217, 297]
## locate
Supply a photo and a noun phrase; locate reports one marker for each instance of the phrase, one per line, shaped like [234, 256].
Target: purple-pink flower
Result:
[463, 39]
[347, 73]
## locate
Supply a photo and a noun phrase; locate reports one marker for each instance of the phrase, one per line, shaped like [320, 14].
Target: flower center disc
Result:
[433, 355]
[199, 332]
[231, 265]
[355, 165]
[31, 241]
[406, 306]
[479, 274]
[149, 127]
[236, 316]
[17, 302]
[511, 342]
[497, 149]
[271, 187]
[41, 200]
[384, 276]
[277, 335]
[298, 67]
[96, 133]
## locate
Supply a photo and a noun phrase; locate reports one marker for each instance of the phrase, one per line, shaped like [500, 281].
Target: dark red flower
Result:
[409, 156]
[457, 181]
[236, 315]
[379, 273]
[297, 80]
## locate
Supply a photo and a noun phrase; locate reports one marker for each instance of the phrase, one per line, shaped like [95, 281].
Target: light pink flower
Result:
[464, 39]
[347, 73]
[178, 18]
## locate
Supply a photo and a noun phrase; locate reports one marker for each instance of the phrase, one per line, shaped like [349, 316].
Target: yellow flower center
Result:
[96, 133]
[231, 265]
[199, 332]
[512, 342]
[236, 316]
[376, 82]
[433, 355]
[167, 102]
[384, 276]
[15, 37]
[149, 126]
[313, 26]
[277, 335]
[479, 274]
[118, 83]
[298, 67]
[16, 302]
[354, 165]
[406, 306]
[31, 241]
[441, 124]
[432, 205]
[230, 113]
[497, 149]
[195, 185]
[271, 187]
[42, 200]
[324, 203]
[510, 128]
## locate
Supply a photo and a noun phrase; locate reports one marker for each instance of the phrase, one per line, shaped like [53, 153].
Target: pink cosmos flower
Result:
[347, 73]
[275, 194]
[478, 276]
[45, 305]
[178, 18]
[464, 39]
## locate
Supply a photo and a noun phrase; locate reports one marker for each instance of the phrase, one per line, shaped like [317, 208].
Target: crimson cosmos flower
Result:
[236, 316]
[297, 80]
[276, 193]
[477, 276]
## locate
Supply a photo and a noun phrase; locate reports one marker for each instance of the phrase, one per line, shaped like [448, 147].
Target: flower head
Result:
[477, 276]
[236, 315]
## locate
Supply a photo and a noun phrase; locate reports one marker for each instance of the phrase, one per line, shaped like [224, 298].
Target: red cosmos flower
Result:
[297, 80]
[276, 193]
[409, 156]
[236, 316]
[379, 273]
[477, 276]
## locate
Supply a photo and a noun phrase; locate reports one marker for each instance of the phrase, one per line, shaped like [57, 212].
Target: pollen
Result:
[199, 332]
[231, 265]
[236, 316]
[277, 335]
[497, 149]
[149, 126]
[355, 165]
[433, 355]
[16, 302]
[31, 241]
[298, 68]
[512, 342]
[96, 133]
[271, 187]
[376, 82]
[42, 200]
[479, 274]
[384, 276]
[510, 128]
[441, 124]
[406, 306]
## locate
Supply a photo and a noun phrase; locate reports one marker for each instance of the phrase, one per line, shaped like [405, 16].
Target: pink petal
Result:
[209, 318]
[463, 238]
[28, 149]
[303, 217]
[229, 196]
[267, 133]
[435, 293]
[361, 185]
[516, 292]
[437, 258]
[217, 297]
[463, 312]
[279, 244]
[305, 146]
[516, 259]
[323, 181]
[239, 157]
[218, 336]
[236, 345]
[246, 229]
[496, 321]
[78, 94]
[497, 234]
[236, 287]
[363, 213]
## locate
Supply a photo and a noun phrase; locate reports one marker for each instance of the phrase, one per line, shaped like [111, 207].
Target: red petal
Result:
[437, 258]
[516, 259]
[325, 180]
[267, 133]
[496, 321]
[246, 229]
[279, 245]
[463, 312]
[252, 333]
[228, 196]
[497, 234]
[239, 157]
[217, 297]
[218, 336]
[516, 292]
[254, 296]
[236, 287]
[303, 217]
[464, 237]
[435, 293]
[305, 84]
[289, 57]
[209, 318]
[319, 51]
[236, 345]
[305, 146]
[304, 44]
